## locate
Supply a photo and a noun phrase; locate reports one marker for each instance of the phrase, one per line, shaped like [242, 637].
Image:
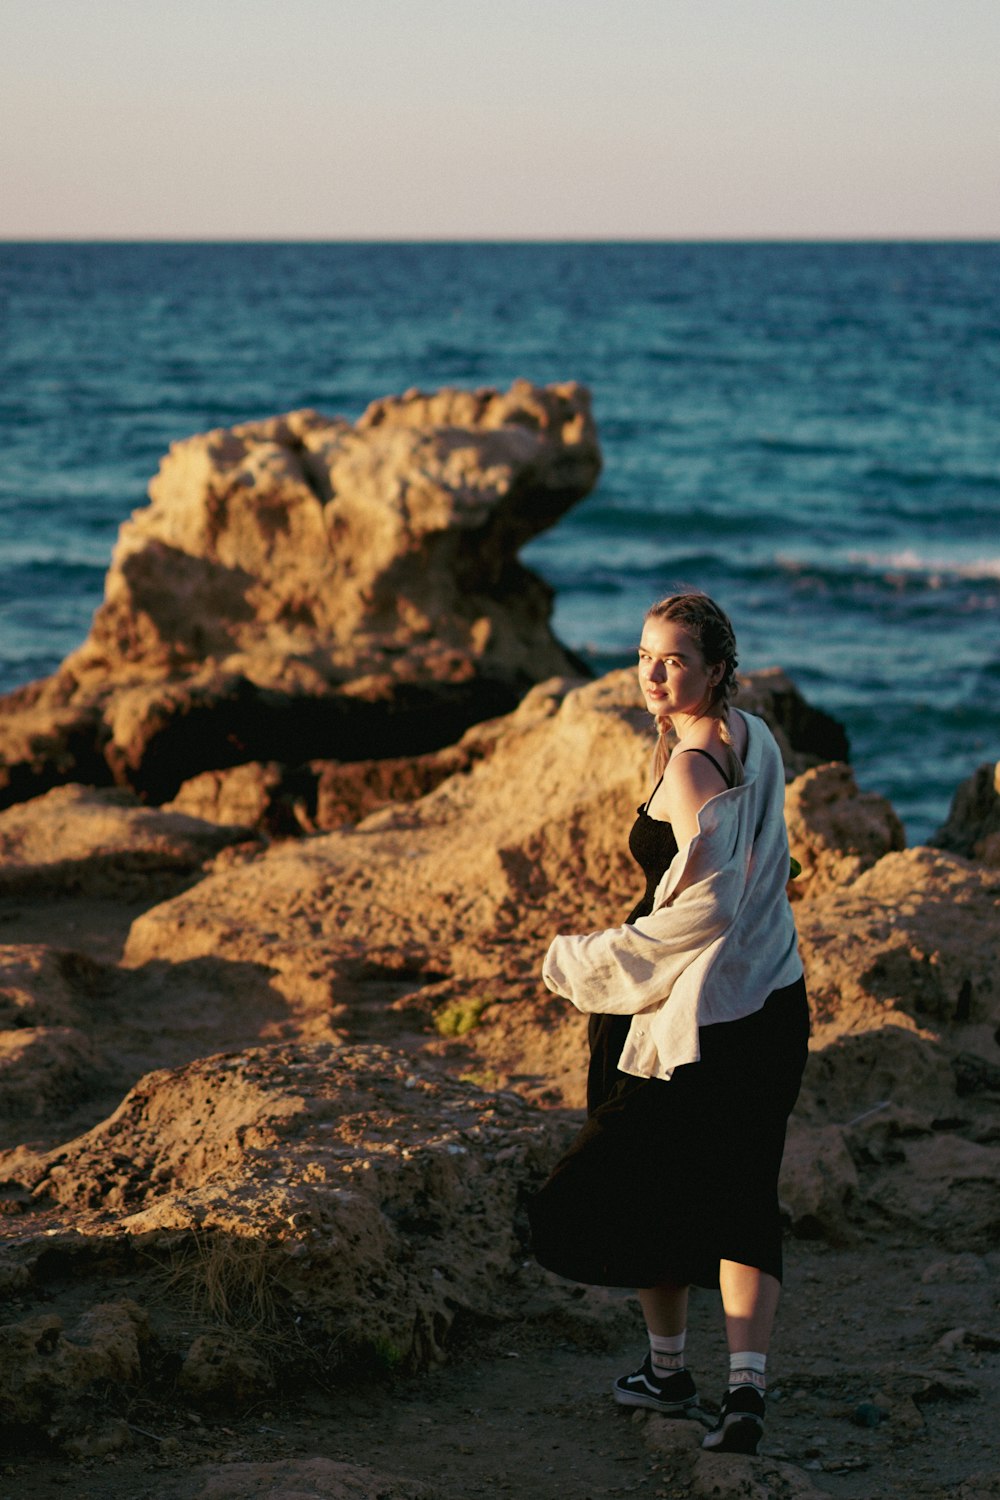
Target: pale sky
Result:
[506, 119]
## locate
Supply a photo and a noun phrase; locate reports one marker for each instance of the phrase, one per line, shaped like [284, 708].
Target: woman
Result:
[698, 1032]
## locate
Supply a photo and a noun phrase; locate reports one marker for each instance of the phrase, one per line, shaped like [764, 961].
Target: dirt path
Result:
[524, 1409]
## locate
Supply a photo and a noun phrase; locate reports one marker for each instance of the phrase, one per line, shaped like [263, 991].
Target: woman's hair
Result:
[712, 629]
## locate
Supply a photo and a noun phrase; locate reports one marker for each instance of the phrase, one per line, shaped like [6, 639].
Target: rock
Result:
[96, 1441]
[727, 1476]
[973, 824]
[104, 842]
[944, 1186]
[867, 1414]
[41, 986]
[224, 1369]
[453, 897]
[819, 1183]
[252, 794]
[961, 1268]
[913, 942]
[720, 1476]
[836, 832]
[46, 1373]
[301, 588]
[345, 1201]
[975, 1074]
[294, 1479]
[977, 1487]
[46, 1069]
[807, 736]
[866, 1077]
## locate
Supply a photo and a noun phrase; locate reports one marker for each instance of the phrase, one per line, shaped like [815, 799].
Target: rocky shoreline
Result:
[281, 848]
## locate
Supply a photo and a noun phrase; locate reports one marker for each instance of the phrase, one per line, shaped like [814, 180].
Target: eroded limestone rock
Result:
[835, 831]
[301, 588]
[352, 1196]
[102, 841]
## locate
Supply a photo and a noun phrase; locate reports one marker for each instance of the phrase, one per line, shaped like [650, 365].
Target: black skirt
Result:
[667, 1178]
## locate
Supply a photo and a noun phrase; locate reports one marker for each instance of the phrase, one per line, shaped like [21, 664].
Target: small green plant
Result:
[483, 1078]
[460, 1016]
[387, 1356]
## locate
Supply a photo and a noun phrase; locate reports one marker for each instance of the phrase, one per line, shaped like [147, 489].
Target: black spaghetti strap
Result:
[653, 792]
[695, 750]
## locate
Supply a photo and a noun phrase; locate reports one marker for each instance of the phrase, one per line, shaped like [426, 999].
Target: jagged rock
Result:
[835, 831]
[912, 942]
[730, 1477]
[346, 1193]
[103, 842]
[806, 735]
[303, 588]
[973, 824]
[328, 794]
[252, 794]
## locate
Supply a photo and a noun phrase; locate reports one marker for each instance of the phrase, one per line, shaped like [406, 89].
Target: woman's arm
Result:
[689, 782]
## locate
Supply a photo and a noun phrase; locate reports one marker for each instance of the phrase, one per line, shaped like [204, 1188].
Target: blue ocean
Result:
[811, 432]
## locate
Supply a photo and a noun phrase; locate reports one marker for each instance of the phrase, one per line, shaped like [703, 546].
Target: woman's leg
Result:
[750, 1301]
[663, 1380]
[665, 1308]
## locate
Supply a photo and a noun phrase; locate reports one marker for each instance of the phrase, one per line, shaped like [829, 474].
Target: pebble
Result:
[867, 1414]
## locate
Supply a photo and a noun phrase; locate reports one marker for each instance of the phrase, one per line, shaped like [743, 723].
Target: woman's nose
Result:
[656, 671]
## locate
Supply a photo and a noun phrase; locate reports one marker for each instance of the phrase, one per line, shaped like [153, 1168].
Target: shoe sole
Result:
[668, 1408]
[739, 1434]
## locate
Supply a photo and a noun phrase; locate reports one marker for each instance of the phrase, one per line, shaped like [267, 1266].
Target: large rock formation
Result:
[338, 1207]
[973, 824]
[301, 587]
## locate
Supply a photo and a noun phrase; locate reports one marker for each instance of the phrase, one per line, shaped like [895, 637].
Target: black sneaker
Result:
[673, 1394]
[740, 1424]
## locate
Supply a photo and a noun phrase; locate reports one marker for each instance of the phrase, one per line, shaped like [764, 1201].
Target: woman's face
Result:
[672, 671]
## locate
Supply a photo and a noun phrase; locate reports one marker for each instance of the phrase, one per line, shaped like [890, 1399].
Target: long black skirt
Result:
[667, 1178]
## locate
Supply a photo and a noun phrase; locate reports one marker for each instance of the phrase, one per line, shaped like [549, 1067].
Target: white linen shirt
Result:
[720, 936]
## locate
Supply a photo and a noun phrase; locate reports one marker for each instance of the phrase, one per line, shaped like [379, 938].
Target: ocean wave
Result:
[795, 448]
[908, 561]
[926, 479]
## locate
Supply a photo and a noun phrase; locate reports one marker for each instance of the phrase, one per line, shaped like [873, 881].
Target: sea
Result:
[810, 432]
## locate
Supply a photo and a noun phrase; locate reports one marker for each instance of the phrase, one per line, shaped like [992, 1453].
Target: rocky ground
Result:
[885, 1375]
[277, 1071]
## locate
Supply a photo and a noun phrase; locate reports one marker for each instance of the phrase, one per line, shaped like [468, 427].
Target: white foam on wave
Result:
[909, 561]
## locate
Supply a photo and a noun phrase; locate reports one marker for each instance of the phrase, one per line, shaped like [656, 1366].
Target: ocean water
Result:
[810, 432]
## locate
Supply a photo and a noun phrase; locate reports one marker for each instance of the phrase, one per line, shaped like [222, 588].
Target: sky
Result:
[526, 119]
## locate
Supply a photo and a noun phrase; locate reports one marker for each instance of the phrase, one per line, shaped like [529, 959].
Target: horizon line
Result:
[748, 239]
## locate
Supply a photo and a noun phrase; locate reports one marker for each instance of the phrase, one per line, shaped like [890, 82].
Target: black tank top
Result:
[652, 843]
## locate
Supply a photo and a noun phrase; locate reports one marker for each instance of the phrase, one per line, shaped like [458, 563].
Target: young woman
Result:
[699, 1027]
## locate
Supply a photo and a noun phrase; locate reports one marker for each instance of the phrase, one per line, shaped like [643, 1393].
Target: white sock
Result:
[748, 1368]
[667, 1352]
